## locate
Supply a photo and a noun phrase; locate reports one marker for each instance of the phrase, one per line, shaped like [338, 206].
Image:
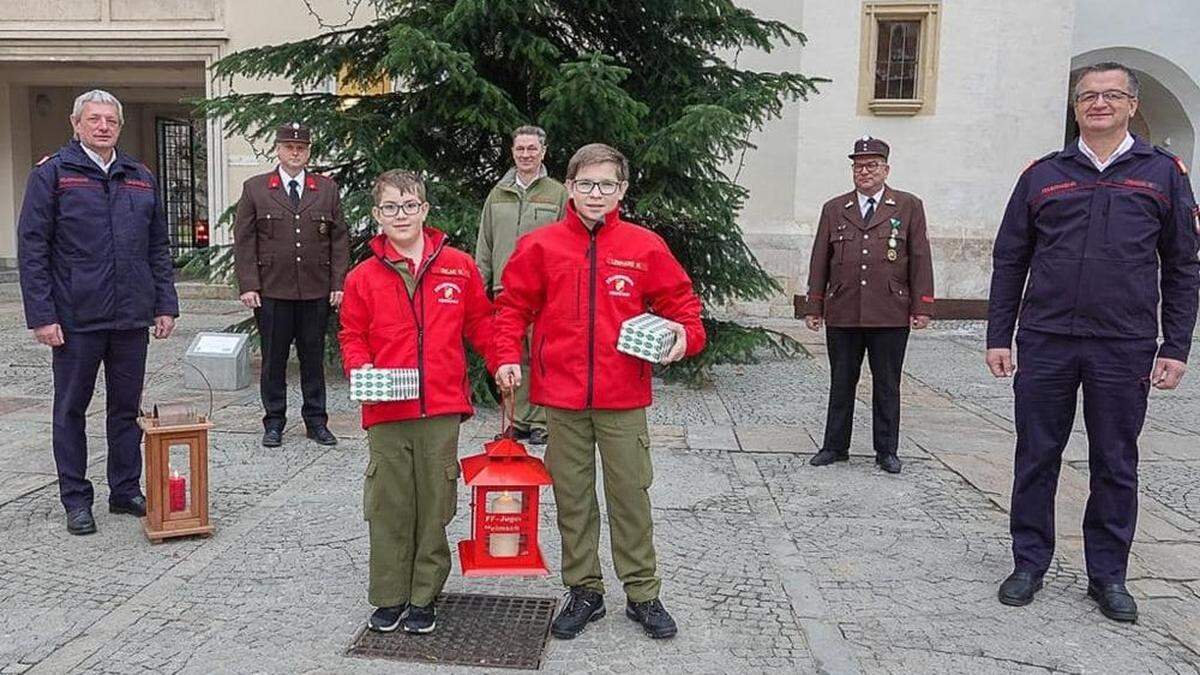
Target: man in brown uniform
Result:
[291, 251]
[870, 279]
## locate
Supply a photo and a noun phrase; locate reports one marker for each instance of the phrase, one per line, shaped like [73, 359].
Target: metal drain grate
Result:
[495, 631]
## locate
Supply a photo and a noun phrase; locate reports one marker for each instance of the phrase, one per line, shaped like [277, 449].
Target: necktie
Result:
[294, 192]
[866, 216]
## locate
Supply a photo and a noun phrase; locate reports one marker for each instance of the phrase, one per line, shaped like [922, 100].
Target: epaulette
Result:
[1039, 160]
[1178, 162]
[45, 159]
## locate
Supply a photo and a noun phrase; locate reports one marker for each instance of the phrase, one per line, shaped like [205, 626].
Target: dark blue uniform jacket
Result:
[93, 249]
[1096, 248]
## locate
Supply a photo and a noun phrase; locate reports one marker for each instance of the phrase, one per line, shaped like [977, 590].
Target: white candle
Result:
[505, 545]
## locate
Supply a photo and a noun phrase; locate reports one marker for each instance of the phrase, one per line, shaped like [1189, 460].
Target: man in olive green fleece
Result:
[524, 200]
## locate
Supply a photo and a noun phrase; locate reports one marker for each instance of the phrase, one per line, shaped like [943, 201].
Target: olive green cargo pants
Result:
[624, 444]
[410, 493]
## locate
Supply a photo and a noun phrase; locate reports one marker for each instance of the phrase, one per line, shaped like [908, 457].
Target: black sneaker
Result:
[538, 436]
[655, 619]
[583, 606]
[386, 619]
[420, 620]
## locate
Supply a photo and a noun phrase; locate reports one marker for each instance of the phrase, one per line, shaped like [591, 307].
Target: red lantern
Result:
[505, 482]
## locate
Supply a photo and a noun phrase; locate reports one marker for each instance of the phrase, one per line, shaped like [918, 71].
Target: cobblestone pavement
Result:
[768, 564]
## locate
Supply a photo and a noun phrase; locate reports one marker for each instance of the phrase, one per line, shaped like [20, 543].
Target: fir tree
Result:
[658, 80]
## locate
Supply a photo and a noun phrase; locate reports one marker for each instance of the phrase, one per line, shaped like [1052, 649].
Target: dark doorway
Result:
[183, 182]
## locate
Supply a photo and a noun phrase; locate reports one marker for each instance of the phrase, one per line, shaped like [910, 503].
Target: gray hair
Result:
[97, 96]
[530, 130]
[1109, 66]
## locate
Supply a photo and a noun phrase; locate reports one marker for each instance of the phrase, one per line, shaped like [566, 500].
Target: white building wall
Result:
[1159, 39]
[1001, 102]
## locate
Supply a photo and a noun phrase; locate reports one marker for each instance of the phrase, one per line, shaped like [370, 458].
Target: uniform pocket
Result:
[268, 222]
[370, 499]
[647, 472]
[839, 245]
[898, 288]
[450, 504]
[542, 215]
[93, 291]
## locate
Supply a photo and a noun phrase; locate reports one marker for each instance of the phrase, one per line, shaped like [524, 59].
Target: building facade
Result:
[966, 93]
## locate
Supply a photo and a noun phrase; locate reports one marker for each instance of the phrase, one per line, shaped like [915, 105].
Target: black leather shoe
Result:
[80, 521]
[829, 457]
[583, 606]
[655, 619]
[1115, 602]
[1019, 588]
[889, 463]
[538, 436]
[520, 434]
[272, 438]
[135, 506]
[322, 435]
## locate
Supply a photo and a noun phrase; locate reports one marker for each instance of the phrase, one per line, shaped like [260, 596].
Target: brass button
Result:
[297, 230]
[864, 267]
[863, 282]
[866, 237]
[297, 216]
[297, 258]
[864, 251]
[297, 244]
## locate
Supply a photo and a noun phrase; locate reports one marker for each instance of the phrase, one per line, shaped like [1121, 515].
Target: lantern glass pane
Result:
[504, 510]
[179, 477]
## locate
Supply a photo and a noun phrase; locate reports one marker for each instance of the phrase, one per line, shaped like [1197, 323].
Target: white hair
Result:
[97, 96]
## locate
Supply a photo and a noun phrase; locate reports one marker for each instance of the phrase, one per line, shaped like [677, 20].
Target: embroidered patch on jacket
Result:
[627, 264]
[139, 184]
[1142, 184]
[1059, 187]
[619, 285]
[451, 271]
[66, 182]
[448, 293]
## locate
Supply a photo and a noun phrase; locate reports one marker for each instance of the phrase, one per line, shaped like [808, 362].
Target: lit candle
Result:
[505, 545]
[178, 485]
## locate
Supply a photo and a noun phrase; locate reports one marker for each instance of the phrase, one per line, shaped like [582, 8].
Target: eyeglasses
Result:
[607, 187]
[392, 209]
[870, 167]
[1110, 96]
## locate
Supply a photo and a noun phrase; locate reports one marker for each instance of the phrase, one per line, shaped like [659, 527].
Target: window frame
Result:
[928, 15]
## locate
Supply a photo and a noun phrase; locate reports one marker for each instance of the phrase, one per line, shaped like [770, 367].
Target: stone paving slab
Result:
[769, 565]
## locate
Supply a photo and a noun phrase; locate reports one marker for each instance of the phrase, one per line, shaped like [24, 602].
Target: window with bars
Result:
[897, 58]
[898, 74]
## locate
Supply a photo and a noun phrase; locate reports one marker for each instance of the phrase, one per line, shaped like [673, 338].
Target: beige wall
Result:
[997, 108]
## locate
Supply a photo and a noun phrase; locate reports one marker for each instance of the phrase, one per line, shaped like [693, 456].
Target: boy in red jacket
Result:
[576, 281]
[410, 306]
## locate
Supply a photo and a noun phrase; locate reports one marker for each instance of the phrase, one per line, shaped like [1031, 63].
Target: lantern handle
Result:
[507, 415]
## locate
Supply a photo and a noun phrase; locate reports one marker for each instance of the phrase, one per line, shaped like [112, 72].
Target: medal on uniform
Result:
[323, 228]
[891, 254]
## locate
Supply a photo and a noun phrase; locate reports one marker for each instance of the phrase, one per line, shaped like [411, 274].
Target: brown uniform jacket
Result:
[851, 281]
[285, 252]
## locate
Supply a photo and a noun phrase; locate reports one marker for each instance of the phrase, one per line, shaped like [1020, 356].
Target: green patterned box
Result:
[384, 384]
[646, 336]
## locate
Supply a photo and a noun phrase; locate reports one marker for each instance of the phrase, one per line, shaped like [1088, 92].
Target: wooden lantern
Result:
[166, 428]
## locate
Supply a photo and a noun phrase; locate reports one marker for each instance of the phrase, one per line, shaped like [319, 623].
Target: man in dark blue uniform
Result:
[95, 273]
[1098, 229]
